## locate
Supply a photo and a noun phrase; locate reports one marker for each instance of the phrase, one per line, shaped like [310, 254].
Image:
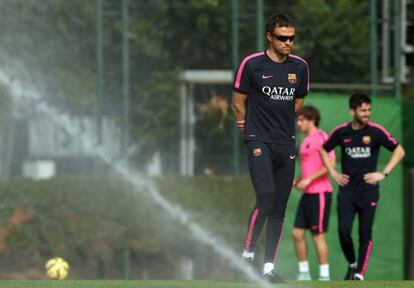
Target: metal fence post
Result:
[409, 229]
[259, 25]
[373, 44]
[235, 60]
[125, 78]
[397, 48]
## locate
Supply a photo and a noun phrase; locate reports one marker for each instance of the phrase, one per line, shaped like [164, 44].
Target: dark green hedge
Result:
[83, 216]
[88, 218]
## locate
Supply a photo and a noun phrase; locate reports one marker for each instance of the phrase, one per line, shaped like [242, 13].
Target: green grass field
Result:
[197, 284]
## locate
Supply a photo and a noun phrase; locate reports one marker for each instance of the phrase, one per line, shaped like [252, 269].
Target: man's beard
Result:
[360, 120]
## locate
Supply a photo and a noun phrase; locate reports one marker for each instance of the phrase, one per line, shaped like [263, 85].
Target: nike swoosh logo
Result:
[292, 157]
[265, 77]
[347, 140]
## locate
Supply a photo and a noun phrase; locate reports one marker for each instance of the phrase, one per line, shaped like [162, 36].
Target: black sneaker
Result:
[350, 273]
[274, 277]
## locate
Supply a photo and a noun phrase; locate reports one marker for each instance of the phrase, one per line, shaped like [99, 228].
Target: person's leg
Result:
[322, 251]
[346, 214]
[284, 170]
[301, 249]
[366, 221]
[298, 232]
[259, 159]
[255, 226]
[323, 208]
[317, 214]
[321, 246]
[299, 239]
[318, 234]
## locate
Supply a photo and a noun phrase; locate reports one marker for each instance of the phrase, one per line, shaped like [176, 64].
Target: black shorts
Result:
[313, 212]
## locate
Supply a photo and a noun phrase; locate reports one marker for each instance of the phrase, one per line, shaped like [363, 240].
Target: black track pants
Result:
[272, 169]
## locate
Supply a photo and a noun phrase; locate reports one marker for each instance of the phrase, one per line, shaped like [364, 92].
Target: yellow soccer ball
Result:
[57, 268]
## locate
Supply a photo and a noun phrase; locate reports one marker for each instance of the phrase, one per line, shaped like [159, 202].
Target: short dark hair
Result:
[278, 20]
[310, 113]
[357, 99]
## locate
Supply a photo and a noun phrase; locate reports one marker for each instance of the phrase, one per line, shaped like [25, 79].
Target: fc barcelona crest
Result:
[366, 140]
[257, 152]
[292, 78]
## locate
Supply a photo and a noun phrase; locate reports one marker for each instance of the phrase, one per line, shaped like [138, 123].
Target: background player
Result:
[269, 86]
[360, 142]
[315, 204]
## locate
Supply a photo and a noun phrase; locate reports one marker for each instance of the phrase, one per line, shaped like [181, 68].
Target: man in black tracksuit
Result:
[360, 142]
[268, 87]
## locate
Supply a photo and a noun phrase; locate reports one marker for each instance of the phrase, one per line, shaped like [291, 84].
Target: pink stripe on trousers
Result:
[250, 231]
[364, 267]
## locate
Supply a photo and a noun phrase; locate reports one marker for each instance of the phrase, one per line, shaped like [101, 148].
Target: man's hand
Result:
[374, 177]
[341, 179]
[302, 184]
[241, 125]
[238, 106]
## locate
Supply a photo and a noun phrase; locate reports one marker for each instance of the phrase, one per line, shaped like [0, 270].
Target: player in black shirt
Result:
[360, 142]
[268, 87]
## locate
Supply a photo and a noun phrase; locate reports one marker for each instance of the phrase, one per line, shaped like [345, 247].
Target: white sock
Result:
[324, 270]
[247, 254]
[359, 276]
[303, 266]
[268, 267]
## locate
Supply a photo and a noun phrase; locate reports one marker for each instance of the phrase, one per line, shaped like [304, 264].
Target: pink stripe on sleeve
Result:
[388, 134]
[241, 68]
[338, 127]
[307, 66]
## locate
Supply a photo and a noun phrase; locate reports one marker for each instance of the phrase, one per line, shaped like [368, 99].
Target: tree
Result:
[52, 44]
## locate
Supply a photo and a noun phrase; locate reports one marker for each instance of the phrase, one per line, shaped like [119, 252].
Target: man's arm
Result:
[296, 180]
[303, 183]
[396, 157]
[299, 103]
[238, 106]
[341, 179]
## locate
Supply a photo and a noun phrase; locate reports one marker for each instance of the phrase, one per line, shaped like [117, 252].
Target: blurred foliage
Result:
[83, 219]
[334, 36]
[52, 45]
[80, 217]
[63, 224]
